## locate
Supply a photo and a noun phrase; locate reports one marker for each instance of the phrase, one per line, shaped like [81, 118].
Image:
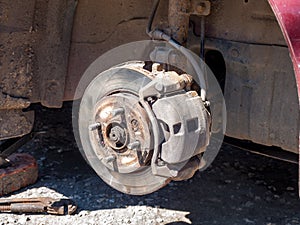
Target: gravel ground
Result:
[238, 188]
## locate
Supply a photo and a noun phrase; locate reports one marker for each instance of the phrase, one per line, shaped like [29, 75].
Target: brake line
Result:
[160, 35]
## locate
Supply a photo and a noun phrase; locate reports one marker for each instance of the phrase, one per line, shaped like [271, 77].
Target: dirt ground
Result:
[238, 188]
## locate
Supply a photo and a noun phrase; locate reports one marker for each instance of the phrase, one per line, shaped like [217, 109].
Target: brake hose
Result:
[160, 35]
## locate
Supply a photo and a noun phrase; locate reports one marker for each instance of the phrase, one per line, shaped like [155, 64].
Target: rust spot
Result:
[23, 172]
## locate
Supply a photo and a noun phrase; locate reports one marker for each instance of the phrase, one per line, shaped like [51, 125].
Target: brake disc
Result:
[106, 147]
[139, 129]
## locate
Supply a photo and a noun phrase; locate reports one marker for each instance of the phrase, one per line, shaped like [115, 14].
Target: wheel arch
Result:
[288, 17]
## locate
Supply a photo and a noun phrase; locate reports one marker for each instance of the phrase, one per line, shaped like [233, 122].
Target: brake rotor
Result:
[115, 131]
[139, 129]
[185, 132]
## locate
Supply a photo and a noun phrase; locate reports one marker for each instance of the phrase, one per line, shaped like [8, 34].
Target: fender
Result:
[287, 13]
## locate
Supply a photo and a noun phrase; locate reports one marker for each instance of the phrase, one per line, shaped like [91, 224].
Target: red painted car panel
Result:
[288, 16]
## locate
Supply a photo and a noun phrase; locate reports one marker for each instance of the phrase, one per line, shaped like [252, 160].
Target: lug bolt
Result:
[94, 126]
[109, 159]
[117, 111]
[134, 145]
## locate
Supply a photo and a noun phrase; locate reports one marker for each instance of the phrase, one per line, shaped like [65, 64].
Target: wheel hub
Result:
[117, 136]
[123, 133]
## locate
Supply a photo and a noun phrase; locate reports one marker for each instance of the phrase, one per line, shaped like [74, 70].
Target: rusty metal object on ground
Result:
[23, 171]
[10, 146]
[38, 205]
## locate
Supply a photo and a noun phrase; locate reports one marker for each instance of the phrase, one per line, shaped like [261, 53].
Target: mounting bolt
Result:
[206, 103]
[235, 53]
[161, 163]
[150, 100]
[94, 126]
[159, 87]
[200, 8]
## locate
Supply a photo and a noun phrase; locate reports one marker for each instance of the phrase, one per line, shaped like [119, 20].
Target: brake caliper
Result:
[183, 121]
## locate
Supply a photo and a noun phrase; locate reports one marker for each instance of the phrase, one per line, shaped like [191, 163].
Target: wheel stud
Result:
[94, 126]
[134, 145]
[117, 111]
[109, 159]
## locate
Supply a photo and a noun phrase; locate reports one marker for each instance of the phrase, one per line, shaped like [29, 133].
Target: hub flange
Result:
[123, 133]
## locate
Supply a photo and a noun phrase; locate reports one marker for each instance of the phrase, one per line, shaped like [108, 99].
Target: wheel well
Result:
[215, 60]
